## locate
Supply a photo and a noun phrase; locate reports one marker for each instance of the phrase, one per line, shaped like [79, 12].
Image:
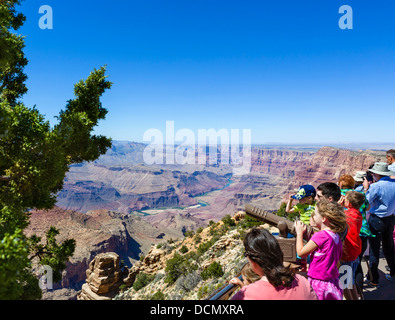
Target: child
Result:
[352, 245]
[249, 276]
[325, 249]
[306, 205]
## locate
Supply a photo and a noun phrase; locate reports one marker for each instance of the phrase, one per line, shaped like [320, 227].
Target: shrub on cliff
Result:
[214, 270]
[228, 221]
[178, 266]
[142, 280]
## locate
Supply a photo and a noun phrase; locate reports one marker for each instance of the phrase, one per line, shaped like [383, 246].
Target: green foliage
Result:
[12, 57]
[214, 270]
[228, 221]
[184, 249]
[249, 222]
[178, 266]
[34, 159]
[53, 254]
[122, 288]
[205, 290]
[14, 256]
[203, 247]
[281, 212]
[189, 234]
[197, 238]
[159, 295]
[142, 280]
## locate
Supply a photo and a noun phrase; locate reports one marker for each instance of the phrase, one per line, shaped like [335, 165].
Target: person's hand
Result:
[341, 200]
[236, 281]
[312, 222]
[365, 183]
[300, 227]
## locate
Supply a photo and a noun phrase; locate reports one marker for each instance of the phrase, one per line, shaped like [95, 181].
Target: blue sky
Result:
[283, 69]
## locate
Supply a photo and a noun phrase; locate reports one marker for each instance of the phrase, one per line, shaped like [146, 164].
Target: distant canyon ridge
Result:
[122, 182]
[118, 203]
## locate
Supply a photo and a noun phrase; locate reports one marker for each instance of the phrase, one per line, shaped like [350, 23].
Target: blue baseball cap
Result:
[305, 191]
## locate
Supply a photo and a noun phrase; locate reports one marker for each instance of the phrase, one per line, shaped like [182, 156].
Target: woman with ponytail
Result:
[276, 281]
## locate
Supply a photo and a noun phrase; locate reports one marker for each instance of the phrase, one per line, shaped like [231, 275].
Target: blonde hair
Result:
[334, 212]
[249, 274]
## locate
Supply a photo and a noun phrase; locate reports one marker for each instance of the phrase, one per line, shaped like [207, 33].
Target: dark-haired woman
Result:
[277, 282]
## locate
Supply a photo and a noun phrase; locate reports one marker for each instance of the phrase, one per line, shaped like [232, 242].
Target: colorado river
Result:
[199, 204]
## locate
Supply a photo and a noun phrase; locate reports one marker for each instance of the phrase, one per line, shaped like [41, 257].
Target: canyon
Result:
[119, 204]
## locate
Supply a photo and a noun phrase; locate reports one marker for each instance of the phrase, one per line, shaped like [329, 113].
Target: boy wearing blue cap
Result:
[306, 205]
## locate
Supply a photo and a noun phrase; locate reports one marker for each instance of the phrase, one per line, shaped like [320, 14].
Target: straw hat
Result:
[381, 168]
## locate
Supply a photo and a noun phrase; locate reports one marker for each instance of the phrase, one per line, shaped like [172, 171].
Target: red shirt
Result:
[352, 245]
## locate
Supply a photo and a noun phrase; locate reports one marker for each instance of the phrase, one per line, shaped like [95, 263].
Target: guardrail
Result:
[225, 292]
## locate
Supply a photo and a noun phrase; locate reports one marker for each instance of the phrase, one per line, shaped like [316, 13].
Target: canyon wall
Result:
[92, 186]
[106, 191]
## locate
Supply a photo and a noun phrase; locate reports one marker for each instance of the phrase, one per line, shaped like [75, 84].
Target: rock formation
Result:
[104, 278]
[95, 232]
[152, 262]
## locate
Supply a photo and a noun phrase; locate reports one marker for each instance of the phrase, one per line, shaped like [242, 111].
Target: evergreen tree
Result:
[34, 159]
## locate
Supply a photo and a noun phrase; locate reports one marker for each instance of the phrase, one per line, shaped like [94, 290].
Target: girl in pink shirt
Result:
[325, 248]
[276, 281]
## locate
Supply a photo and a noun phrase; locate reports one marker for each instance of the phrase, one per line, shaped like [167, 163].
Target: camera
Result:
[369, 176]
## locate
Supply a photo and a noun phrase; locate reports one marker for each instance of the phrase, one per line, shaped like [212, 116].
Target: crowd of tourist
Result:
[352, 218]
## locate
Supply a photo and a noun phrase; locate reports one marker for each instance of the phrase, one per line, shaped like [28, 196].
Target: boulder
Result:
[104, 277]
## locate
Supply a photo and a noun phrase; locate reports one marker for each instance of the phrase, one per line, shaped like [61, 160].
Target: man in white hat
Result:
[381, 197]
[359, 177]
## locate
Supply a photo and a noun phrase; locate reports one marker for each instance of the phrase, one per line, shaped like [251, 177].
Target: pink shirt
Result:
[263, 290]
[323, 260]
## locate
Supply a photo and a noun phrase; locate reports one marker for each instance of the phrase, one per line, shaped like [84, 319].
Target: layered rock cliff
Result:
[95, 232]
[276, 173]
[93, 186]
[328, 164]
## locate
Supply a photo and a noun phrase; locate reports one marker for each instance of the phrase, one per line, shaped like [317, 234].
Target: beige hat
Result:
[381, 168]
[359, 175]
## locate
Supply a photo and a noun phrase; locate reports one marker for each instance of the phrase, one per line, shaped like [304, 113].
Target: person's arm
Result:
[371, 191]
[289, 208]
[301, 249]
[236, 281]
[366, 185]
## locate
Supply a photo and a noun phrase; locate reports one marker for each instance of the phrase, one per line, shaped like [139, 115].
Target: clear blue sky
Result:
[283, 69]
